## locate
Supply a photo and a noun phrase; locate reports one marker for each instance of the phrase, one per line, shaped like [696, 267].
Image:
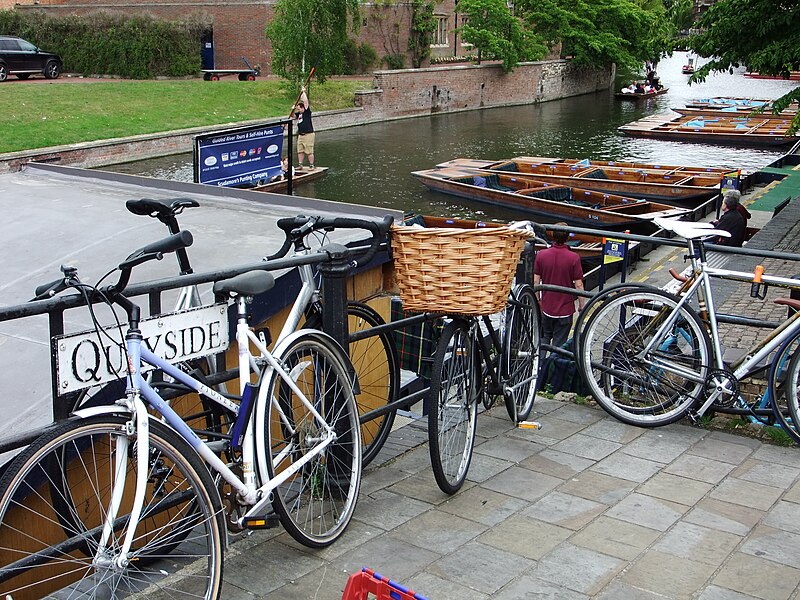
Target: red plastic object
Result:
[360, 585]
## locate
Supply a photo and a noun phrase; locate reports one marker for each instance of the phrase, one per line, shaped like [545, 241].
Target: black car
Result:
[23, 59]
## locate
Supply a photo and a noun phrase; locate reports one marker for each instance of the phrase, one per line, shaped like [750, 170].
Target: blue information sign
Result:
[238, 157]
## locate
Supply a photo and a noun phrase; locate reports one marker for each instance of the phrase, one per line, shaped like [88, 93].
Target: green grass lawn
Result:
[37, 115]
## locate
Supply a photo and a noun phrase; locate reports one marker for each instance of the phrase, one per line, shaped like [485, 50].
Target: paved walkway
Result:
[585, 508]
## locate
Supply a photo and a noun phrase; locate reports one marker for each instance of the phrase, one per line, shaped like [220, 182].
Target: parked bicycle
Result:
[114, 502]
[466, 275]
[651, 357]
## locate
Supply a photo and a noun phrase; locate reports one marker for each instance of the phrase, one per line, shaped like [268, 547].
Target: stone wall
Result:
[395, 95]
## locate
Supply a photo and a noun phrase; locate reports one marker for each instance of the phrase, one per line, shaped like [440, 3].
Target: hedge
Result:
[101, 43]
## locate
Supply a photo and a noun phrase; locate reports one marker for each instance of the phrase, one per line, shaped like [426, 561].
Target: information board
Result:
[239, 157]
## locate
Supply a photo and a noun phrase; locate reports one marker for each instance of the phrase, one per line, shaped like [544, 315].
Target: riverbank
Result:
[394, 95]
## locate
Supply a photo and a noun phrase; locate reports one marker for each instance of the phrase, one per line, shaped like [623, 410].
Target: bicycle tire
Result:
[316, 503]
[41, 556]
[452, 405]
[652, 390]
[521, 352]
[377, 368]
[784, 379]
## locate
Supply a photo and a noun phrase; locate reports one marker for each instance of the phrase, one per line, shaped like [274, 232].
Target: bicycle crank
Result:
[722, 385]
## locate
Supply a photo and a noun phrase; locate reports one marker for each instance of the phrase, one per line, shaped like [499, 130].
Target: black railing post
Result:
[61, 410]
[334, 294]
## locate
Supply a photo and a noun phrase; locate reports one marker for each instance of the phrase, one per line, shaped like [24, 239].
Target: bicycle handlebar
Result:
[297, 228]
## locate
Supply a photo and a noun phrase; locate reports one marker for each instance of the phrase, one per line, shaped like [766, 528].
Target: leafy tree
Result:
[306, 33]
[423, 24]
[599, 32]
[498, 34]
[680, 14]
[762, 34]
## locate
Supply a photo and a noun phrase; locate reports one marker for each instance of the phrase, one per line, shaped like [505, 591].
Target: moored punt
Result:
[728, 111]
[725, 101]
[756, 131]
[657, 182]
[577, 206]
[642, 96]
[300, 177]
[792, 75]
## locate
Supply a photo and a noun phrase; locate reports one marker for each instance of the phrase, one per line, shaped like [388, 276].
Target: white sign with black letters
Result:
[86, 359]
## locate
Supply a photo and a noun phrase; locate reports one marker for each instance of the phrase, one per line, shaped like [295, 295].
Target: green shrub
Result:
[395, 61]
[367, 58]
[135, 46]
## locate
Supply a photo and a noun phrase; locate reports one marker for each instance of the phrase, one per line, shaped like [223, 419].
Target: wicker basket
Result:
[456, 271]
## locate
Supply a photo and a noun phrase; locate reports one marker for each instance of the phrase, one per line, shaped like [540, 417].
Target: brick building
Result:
[238, 25]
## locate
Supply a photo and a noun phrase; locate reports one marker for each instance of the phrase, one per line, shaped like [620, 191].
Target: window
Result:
[440, 35]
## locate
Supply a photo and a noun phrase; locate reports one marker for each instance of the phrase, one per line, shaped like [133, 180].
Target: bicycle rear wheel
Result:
[637, 372]
[315, 503]
[48, 544]
[452, 405]
[521, 352]
[784, 387]
[375, 360]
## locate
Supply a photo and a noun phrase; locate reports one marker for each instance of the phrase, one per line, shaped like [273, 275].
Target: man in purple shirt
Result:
[558, 265]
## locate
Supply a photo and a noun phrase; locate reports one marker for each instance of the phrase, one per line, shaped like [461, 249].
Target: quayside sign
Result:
[87, 358]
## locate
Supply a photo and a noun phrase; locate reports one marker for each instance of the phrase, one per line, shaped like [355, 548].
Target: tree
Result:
[599, 32]
[680, 14]
[306, 33]
[423, 24]
[762, 34]
[498, 34]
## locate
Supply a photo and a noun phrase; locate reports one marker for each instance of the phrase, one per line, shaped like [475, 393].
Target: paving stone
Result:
[544, 406]
[784, 515]
[234, 592]
[700, 468]
[439, 530]
[525, 536]
[657, 446]
[724, 516]
[675, 489]
[497, 567]
[615, 538]
[494, 423]
[555, 463]
[554, 430]
[754, 495]
[613, 431]
[436, 588]
[709, 546]
[582, 415]
[620, 591]
[789, 456]
[757, 577]
[533, 588]
[775, 545]
[773, 474]
[713, 592]
[587, 446]
[355, 535]
[793, 493]
[391, 557]
[597, 486]
[381, 478]
[564, 510]
[483, 467]
[508, 449]
[413, 461]
[656, 572]
[579, 569]
[483, 505]
[262, 572]
[522, 483]
[722, 449]
[386, 510]
[325, 583]
[647, 511]
[422, 486]
[627, 467]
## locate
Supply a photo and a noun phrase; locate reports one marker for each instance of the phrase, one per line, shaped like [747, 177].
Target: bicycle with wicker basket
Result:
[466, 276]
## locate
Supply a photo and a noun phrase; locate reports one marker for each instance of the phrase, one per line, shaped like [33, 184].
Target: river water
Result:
[371, 164]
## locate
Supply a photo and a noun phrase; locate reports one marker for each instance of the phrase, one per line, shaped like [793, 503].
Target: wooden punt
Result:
[642, 96]
[727, 107]
[583, 207]
[755, 131]
[792, 76]
[725, 101]
[684, 185]
[300, 177]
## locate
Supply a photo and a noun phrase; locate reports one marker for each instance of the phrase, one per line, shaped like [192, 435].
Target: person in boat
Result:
[733, 219]
[284, 174]
[631, 89]
[638, 87]
[305, 130]
[653, 79]
[558, 265]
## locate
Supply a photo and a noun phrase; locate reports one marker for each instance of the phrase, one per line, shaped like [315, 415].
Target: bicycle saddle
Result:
[689, 230]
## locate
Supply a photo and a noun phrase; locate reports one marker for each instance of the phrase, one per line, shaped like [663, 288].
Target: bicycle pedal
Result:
[266, 522]
[534, 425]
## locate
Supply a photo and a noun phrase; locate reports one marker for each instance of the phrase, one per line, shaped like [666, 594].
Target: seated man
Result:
[732, 220]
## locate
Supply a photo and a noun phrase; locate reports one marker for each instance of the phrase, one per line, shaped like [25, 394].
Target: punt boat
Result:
[743, 131]
[684, 185]
[549, 201]
[300, 177]
[641, 96]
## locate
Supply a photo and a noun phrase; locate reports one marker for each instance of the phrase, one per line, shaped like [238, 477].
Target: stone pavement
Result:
[585, 508]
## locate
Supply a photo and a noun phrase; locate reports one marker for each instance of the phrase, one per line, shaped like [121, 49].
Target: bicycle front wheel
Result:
[784, 387]
[645, 360]
[375, 360]
[318, 495]
[452, 405]
[57, 493]
[521, 352]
